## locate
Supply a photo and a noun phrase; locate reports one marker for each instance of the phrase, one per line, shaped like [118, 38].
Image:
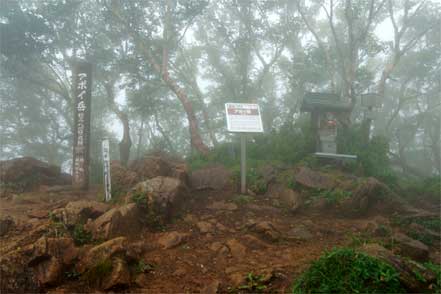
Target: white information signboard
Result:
[243, 118]
[106, 162]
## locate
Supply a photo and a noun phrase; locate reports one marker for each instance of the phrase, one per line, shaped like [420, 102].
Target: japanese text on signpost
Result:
[82, 91]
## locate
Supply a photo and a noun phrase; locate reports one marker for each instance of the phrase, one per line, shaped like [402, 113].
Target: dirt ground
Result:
[221, 245]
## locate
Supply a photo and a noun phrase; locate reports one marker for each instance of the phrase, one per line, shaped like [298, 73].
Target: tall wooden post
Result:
[82, 89]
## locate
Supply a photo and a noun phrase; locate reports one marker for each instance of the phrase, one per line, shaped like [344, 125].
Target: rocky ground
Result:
[179, 232]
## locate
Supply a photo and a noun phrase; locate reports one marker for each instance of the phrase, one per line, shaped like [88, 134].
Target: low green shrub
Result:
[140, 200]
[289, 144]
[242, 199]
[80, 235]
[332, 196]
[346, 270]
[373, 156]
[254, 284]
[422, 189]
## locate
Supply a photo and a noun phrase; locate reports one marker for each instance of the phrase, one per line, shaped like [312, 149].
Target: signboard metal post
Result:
[82, 89]
[243, 118]
[106, 163]
[243, 164]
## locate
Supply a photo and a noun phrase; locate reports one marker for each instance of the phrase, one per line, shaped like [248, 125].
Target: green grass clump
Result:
[332, 196]
[80, 235]
[254, 284]
[345, 270]
[242, 199]
[139, 199]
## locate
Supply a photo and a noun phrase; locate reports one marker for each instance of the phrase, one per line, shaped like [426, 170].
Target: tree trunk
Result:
[195, 137]
[126, 142]
[141, 131]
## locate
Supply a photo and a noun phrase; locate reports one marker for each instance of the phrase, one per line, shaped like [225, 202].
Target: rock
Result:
[204, 227]
[215, 246]
[411, 247]
[162, 197]
[222, 205]
[312, 179]
[421, 230]
[189, 218]
[119, 277]
[48, 272]
[27, 174]
[180, 172]
[49, 257]
[151, 166]
[236, 248]
[221, 227]
[266, 230]
[299, 232]
[40, 214]
[287, 198]
[123, 179]
[6, 225]
[215, 178]
[405, 267]
[211, 287]
[100, 253]
[78, 212]
[268, 173]
[254, 243]
[119, 221]
[172, 239]
[319, 204]
[15, 275]
[62, 249]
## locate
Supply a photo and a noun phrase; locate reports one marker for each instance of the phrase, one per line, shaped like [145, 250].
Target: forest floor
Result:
[219, 240]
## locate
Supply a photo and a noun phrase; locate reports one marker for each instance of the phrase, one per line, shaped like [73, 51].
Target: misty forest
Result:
[228, 146]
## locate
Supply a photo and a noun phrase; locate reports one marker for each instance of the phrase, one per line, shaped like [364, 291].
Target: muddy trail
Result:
[60, 241]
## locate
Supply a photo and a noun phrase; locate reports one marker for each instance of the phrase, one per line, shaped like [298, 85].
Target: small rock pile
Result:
[28, 174]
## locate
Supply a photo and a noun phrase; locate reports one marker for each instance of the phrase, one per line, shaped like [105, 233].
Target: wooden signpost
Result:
[243, 118]
[106, 169]
[82, 89]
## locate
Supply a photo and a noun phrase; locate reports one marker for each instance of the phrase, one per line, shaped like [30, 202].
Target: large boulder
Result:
[370, 195]
[106, 265]
[314, 179]
[145, 168]
[123, 179]
[125, 220]
[411, 247]
[78, 212]
[100, 253]
[150, 167]
[215, 178]
[49, 257]
[15, 274]
[119, 277]
[27, 174]
[160, 198]
[415, 277]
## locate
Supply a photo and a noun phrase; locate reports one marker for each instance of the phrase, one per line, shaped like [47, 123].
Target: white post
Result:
[106, 163]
